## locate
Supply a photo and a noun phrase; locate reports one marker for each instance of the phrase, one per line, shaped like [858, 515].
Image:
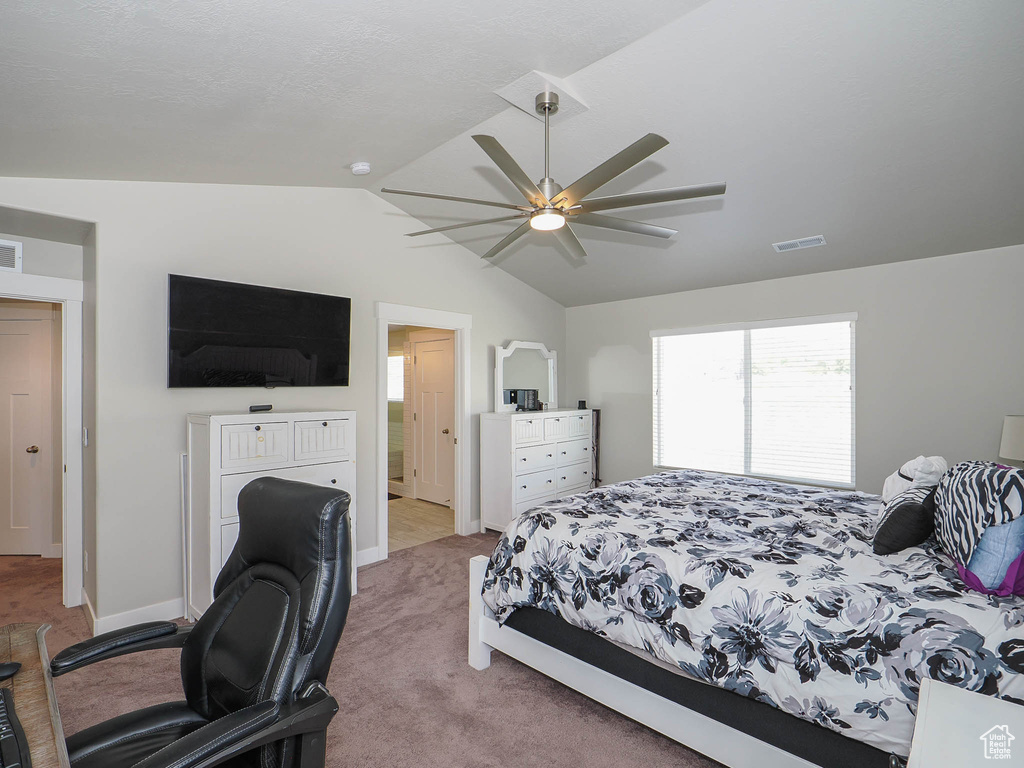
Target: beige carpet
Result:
[408, 698]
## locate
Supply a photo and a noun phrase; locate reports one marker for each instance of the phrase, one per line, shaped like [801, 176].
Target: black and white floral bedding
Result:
[768, 590]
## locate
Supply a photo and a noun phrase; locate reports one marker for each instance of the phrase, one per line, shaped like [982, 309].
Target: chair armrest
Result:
[140, 637]
[214, 738]
[310, 714]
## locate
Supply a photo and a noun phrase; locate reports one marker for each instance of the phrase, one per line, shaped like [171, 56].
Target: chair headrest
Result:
[302, 528]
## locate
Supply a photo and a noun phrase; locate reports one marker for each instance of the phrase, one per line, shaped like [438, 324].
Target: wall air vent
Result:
[10, 256]
[803, 242]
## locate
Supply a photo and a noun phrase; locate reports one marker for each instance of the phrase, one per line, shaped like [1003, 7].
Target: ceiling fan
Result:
[550, 208]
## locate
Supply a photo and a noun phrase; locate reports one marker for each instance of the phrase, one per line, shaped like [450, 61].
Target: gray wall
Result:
[49, 258]
[342, 241]
[939, 357]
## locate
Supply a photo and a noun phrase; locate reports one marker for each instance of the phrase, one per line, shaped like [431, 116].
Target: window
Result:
[396, 378]
[772, 399]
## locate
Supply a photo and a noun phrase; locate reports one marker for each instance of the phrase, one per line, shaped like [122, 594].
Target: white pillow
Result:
[919, 472]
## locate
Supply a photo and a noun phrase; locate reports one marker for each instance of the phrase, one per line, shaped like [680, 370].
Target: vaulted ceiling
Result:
[893, 129]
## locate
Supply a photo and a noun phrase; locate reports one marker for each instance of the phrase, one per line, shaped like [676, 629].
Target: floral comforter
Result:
[765, 589]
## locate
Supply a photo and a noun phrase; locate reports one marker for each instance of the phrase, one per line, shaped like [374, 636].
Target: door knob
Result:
[32, 449]
[444, 431]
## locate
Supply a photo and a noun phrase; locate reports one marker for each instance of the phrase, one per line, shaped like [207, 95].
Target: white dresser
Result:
[527, 458]
[226, 451]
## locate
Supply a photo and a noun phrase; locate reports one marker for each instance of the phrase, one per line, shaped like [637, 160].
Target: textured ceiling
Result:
[893, 129]
[268, 92]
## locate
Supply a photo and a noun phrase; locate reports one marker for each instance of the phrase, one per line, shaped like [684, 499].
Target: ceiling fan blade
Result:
[456, 199]
[508, 239]
[624, 225]
[467, 224]
[511, 168]
[570, 242]
[649, 198]
[636, 152]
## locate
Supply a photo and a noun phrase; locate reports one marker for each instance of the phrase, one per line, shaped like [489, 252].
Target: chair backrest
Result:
[280, 601]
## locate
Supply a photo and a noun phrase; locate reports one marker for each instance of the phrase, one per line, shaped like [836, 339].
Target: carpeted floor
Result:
[408, 697]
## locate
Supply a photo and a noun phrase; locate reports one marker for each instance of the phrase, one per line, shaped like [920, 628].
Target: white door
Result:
[433, 388]
[26, 458]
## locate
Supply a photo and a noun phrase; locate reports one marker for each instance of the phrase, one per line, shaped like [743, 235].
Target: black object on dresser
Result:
[254, 666]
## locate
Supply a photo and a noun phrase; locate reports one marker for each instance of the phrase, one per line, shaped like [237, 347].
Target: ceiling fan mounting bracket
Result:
[547, 103]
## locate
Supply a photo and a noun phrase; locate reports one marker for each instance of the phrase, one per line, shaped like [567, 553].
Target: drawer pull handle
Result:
[563, 477]
[523, 487]
[585, 474]
[258, 427]
[585, 450]
[563, 453]
[523, 459]
[549, 455]
[550, 482]
[324, 423]
[333, 481]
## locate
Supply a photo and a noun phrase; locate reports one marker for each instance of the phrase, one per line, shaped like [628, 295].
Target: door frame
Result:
[69, 293]
[461, 325]
[417, 425]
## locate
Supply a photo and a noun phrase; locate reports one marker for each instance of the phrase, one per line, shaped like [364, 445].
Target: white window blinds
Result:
[765, 399]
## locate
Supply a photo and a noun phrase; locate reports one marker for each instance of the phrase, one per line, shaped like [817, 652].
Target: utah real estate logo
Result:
[997, 742]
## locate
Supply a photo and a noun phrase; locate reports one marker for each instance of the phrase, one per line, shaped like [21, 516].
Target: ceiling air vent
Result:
[803, 242]
[10, 256]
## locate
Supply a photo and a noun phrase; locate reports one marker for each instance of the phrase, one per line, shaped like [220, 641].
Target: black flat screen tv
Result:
[224, 334]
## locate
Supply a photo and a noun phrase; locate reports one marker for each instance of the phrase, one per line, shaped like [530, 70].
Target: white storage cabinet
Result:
[226, 451]
[527, 458]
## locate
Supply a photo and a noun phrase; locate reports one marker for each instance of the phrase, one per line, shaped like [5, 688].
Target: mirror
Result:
[525, 365]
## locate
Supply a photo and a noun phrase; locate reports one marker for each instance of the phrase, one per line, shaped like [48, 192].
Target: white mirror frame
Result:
[500, 353]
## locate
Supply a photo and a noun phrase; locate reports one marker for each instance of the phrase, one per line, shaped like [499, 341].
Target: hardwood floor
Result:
[414, 521]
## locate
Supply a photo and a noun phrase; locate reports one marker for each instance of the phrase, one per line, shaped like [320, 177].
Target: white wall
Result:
[939, 357]
[346, 242]
[48, 258]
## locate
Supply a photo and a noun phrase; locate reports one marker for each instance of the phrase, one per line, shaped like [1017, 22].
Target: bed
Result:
[745, 618]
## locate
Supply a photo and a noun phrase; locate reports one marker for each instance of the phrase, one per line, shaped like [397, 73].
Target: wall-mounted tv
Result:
[225, 334]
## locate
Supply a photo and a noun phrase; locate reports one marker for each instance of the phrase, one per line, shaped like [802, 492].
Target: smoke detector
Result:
[360, 169]
[803, 242]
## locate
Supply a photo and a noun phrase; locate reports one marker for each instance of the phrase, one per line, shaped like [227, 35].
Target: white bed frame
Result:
[699, 732]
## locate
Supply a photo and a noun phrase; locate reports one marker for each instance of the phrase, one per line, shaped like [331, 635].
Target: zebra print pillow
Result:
[972, 496]
[907, 520]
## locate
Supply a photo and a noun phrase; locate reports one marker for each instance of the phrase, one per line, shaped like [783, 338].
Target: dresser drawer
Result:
[556, 427]
[253, 445]
[228, 537]
[572, 452]
[534, 457]
[331, 439]
[581, 425]
[535, 484]
[528, 430]
[568, 477]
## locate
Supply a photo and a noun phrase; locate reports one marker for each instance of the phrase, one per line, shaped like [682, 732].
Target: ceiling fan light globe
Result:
[547, 221]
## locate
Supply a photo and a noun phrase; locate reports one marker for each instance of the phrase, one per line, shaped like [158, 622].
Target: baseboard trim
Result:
[90, 613]
[367, 556]
[53, 551]
[169, 610]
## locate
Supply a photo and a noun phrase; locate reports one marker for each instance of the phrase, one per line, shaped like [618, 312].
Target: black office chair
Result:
[254, 666]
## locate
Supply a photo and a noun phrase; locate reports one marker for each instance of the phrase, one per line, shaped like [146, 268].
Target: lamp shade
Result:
[1012, 444]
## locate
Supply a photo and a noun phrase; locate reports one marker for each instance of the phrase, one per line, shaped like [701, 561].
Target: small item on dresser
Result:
[260, 408]
[582, 405]
[907, 520]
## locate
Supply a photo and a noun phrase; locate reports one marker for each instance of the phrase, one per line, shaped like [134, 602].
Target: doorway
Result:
[421, 434]
[31, 425]
[395, 471]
